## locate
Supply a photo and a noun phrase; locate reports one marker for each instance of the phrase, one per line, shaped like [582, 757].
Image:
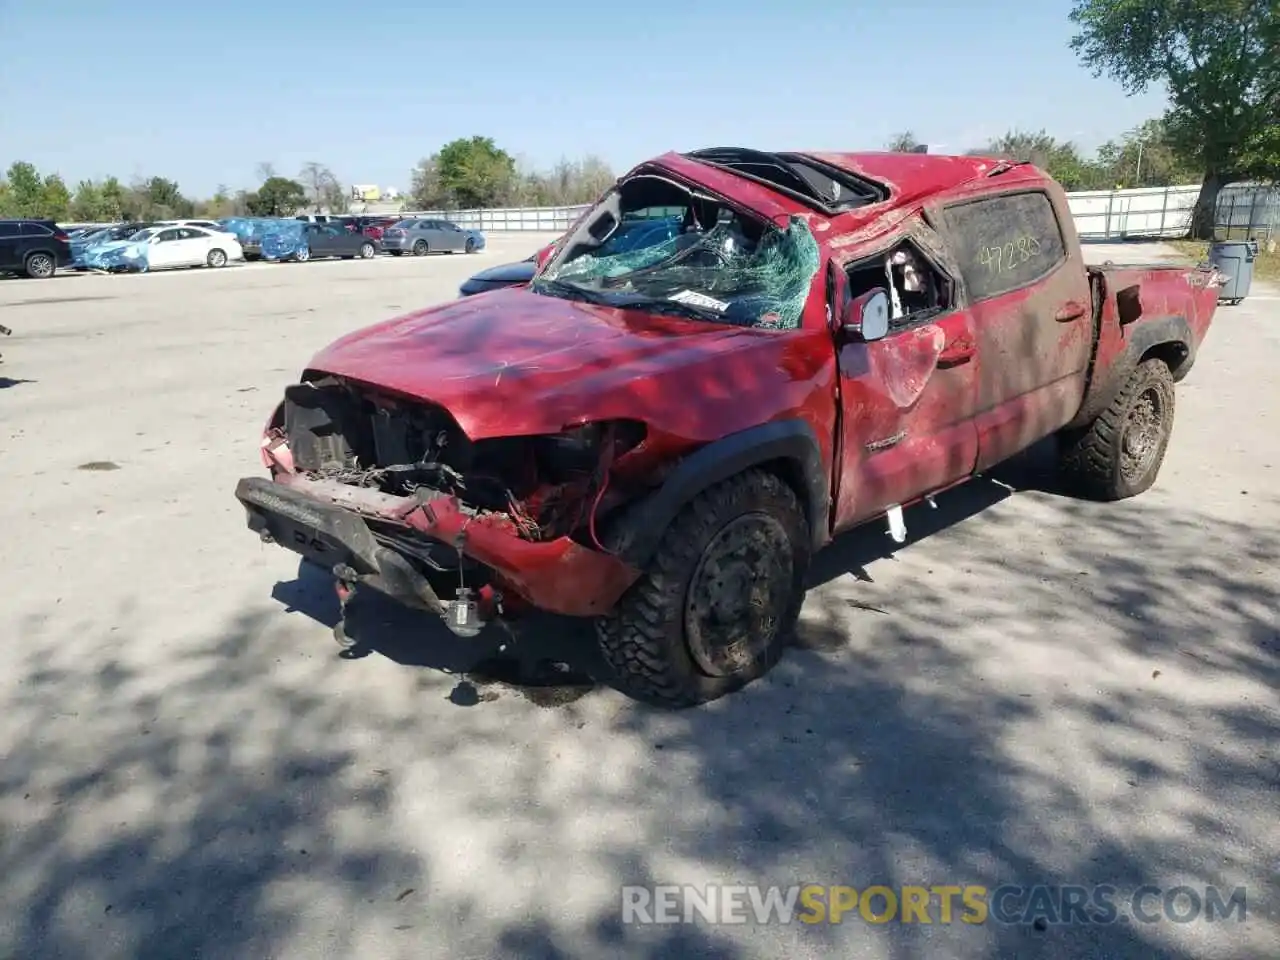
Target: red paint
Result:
[514, 362]
[897, 419]
[556, 575]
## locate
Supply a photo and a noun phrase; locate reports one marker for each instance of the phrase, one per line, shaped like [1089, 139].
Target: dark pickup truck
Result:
[659, 437]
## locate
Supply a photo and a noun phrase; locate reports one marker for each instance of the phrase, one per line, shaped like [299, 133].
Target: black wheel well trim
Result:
[788, 448]
[1168, 338]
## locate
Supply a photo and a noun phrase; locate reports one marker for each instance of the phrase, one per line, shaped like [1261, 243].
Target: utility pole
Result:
[1137, 173]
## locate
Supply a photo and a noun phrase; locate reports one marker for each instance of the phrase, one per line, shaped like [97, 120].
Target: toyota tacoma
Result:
[659, 435]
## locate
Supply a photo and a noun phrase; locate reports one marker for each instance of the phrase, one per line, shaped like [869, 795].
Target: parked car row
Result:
[38, 248]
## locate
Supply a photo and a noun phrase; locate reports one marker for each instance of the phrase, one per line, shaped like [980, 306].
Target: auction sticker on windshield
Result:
[695, 299]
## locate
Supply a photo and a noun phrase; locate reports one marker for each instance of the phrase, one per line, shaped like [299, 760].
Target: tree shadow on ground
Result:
[1038, 691]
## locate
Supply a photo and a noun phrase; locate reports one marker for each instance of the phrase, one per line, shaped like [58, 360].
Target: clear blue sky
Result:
[204, 92]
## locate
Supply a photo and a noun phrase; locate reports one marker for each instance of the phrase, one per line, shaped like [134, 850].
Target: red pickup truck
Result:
[660, 438]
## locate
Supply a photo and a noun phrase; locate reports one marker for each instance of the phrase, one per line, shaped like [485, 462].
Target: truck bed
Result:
[1141, 311]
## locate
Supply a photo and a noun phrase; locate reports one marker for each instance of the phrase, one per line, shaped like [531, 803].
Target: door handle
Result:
[957, 351]
[1071, 310]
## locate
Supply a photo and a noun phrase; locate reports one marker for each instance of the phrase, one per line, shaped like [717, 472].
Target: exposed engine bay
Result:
[548, 485]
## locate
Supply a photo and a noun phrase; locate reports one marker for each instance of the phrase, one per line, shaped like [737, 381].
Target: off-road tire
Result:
[644, 638]
[420, 249]
[217, 258]
[1093, 459]
[40, 266]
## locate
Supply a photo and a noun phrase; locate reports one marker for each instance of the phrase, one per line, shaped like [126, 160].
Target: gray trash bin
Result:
[1235, 259]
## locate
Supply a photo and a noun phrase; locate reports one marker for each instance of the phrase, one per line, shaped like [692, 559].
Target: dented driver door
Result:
[907, 406]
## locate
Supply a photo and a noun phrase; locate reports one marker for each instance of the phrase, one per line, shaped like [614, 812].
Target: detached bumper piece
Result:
[389, 542]
[335, 538]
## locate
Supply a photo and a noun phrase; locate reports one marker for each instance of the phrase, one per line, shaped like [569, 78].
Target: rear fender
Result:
[1169, 338]
[788, 446]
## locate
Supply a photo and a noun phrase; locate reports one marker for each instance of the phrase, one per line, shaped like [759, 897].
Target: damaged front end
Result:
[390, 493]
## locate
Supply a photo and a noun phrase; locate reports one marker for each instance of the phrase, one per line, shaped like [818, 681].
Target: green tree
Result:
[1061, 160]
[277, 197]
[1219, 60]
[1144, 157]
[88, 205]
[26, 190]
[6, 200]
[55, 198]
[475, 172]
[114, 197]
[161, 199]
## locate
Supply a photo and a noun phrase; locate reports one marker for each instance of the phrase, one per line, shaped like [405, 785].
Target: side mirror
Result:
[867, 317]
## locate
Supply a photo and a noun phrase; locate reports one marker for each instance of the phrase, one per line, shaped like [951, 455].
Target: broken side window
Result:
[918, 290]
[655, 246]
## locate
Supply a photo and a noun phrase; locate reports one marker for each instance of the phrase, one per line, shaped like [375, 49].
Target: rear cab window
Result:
[1004, 242]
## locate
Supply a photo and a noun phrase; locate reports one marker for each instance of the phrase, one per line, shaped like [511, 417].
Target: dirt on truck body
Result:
[733, 357]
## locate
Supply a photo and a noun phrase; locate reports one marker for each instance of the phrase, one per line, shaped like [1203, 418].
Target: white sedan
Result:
[187, 247]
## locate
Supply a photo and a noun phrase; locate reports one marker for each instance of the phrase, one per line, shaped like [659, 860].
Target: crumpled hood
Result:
[114, 254]
[515, 362]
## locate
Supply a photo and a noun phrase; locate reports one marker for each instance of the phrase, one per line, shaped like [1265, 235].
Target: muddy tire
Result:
[1119, 454]
[716, 605]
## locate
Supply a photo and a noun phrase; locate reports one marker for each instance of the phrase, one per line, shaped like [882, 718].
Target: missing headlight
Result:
[578, 452]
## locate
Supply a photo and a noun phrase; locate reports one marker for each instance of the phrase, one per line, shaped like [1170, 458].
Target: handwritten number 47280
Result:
[1007, 257]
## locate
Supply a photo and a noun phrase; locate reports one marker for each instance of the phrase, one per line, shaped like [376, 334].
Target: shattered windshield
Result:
[670, 251]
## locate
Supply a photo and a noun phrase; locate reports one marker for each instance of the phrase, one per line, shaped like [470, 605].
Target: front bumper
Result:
[333, 525]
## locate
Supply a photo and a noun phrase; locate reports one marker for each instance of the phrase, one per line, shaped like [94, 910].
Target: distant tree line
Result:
[475, 172]
[1146, 156]
[466, 173]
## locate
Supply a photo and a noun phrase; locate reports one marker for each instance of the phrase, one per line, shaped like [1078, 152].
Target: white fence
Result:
[1244, 210]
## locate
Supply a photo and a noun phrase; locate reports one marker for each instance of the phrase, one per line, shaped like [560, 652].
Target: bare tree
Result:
[904, 142]
[323, 188]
